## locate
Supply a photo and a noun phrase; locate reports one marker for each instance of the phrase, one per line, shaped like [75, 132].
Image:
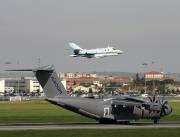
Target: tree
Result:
[101, 91]
[161, 88]
[113, 85]
[138, 81]
[177, 91]
[74, 82]
[90, 90]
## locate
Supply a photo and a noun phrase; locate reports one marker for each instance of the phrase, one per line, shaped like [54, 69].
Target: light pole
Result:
[18, 62]
[8, 63]
[153, 77]
[144, 64]
[39, 62]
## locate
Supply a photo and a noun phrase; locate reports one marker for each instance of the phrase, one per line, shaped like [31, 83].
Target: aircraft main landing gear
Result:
[107, 121]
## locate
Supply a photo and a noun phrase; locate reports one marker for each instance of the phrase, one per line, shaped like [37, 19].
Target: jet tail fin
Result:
[75, 47]
[48, 80]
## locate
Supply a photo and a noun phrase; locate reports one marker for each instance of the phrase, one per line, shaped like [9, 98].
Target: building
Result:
[2, 85]
[156, 76]
[9, 89]
[84, 79]
[24, 84]
[84, 89]
[69, 75]
[121, 80]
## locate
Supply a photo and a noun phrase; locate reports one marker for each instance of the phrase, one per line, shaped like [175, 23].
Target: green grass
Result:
[94, 133]
[37, 112]
[44, 112]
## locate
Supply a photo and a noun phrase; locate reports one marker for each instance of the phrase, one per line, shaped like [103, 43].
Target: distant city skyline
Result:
[146, 32]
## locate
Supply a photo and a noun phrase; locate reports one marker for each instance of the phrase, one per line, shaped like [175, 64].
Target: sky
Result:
[145, 30]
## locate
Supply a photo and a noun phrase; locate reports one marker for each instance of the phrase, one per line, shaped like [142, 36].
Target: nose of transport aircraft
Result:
[168, 109]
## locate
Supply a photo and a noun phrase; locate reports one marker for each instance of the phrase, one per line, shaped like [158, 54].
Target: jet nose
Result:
[120, 52]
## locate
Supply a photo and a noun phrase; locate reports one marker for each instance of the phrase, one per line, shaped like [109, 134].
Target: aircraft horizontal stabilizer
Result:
[45, 68]
[73, 56]
[20, 70]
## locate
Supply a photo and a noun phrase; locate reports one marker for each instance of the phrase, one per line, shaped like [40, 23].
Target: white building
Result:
[84, 89]
[154, 74]
[2, 85]
[9, 89]
[24, 84]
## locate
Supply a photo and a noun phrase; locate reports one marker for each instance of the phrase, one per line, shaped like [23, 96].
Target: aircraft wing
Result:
[146, 105]
[125, 103]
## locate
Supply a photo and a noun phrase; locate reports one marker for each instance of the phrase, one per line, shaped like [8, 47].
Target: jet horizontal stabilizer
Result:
[45, 68]
[20, 70]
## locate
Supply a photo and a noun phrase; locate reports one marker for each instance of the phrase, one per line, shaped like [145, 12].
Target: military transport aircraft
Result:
[118, 109]
[94, 53]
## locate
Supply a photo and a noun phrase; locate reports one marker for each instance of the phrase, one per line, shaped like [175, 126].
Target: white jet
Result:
[94, 53]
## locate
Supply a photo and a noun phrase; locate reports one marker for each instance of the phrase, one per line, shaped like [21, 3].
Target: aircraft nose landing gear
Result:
[156, 121]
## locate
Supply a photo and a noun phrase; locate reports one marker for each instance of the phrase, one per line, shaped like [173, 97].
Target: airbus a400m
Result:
[105, 110]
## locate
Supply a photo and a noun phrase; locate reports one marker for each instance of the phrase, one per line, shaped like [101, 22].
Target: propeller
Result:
[152, 99]
[162, 102]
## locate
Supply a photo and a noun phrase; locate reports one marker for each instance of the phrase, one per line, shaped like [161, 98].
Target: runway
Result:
[63, 126]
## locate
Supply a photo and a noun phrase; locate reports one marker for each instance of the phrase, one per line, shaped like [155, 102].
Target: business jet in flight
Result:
[94, 53]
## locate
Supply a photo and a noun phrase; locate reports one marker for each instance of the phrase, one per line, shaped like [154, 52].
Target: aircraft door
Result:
[106, 111]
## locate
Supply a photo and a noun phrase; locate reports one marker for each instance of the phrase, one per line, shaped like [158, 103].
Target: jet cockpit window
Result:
[114, 48]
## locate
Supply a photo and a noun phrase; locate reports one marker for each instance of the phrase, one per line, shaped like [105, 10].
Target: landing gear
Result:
[156, 121]
[124, 122]
[107, 121]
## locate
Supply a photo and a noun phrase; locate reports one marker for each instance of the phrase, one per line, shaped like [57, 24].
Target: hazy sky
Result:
[145, 30]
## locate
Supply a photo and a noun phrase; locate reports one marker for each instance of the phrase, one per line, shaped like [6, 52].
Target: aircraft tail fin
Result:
[75, 47]
[48, 80]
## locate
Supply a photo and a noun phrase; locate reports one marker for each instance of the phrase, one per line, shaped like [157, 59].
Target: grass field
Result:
[44, 112]
[36, 112]
[94, 133]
